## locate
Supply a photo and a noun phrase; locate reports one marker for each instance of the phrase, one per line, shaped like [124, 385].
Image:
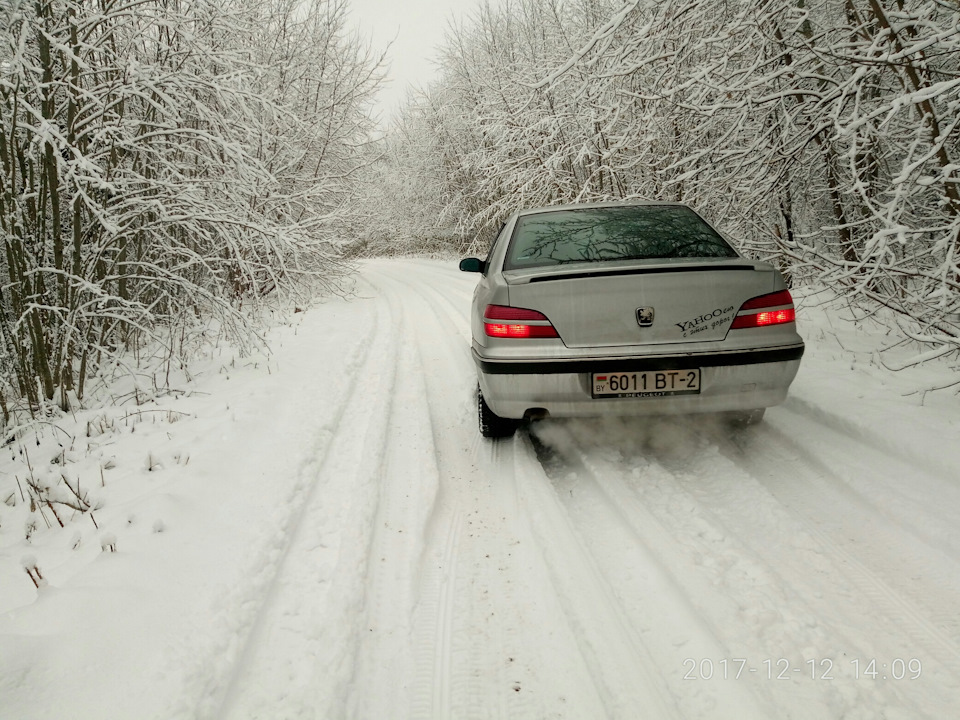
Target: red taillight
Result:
[770, 300]
[766, 317]
[504, 312]
[520, 331]
[514, 329]
[772, 317]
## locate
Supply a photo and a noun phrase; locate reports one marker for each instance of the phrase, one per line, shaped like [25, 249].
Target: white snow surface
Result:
[322, 533]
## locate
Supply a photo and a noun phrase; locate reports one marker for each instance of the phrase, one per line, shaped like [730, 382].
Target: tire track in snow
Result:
[455, 315]
[217, 675]
[451, 278]
[443, 657]
[493, 520]
[299, 652]
[433, 623]
[893, 489]
[779, 591]
[637, 559]
[861, 547]
[878, 621]
[487, 612]
[440, 614]
[409, 482]
[436, 615]
[431, 615]
[871, 529]
[620, 664]
[824, 594]
[863, 435]
[610, 684]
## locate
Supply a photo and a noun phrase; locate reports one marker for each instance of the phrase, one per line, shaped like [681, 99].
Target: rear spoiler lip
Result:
[637, 364]
[572, 274]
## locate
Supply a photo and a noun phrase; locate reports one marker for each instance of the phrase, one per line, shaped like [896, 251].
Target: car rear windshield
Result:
[613, 233]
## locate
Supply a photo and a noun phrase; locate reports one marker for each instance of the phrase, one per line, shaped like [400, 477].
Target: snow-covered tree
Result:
[162, 160]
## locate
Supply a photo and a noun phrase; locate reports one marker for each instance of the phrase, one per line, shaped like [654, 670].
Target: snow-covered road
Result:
[374, 558]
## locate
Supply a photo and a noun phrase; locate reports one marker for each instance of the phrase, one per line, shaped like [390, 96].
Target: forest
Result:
[169, 168]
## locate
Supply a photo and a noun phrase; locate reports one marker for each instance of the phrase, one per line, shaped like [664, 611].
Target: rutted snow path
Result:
[616, 569]
[628, 569]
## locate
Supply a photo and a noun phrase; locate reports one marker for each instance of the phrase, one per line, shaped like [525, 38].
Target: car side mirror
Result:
[472, 265]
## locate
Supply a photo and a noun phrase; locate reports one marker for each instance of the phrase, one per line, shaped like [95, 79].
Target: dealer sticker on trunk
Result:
[648, 383]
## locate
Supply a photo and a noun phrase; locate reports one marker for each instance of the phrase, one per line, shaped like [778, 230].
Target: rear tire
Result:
[491, 424]
[745, 418]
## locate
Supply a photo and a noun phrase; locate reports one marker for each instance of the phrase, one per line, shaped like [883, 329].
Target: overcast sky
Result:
[418, 27]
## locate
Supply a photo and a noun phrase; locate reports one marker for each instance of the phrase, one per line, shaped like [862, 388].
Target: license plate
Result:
[649, 383]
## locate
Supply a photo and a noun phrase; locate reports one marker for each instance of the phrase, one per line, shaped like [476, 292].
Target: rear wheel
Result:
[491, 424]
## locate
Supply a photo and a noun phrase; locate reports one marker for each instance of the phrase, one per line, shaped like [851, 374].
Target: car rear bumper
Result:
[729, 381]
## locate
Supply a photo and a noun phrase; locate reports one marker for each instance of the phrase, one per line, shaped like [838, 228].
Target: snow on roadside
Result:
[847, 385]
[198, 492]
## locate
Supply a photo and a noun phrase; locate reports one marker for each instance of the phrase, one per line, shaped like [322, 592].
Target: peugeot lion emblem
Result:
[645, 316]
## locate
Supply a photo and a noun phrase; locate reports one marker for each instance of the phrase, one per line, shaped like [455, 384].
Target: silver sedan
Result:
[626, 309]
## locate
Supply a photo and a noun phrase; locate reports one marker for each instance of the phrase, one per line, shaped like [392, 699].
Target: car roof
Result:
[606, 204]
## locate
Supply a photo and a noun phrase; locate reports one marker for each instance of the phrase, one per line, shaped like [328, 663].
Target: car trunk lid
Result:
[611, 304]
